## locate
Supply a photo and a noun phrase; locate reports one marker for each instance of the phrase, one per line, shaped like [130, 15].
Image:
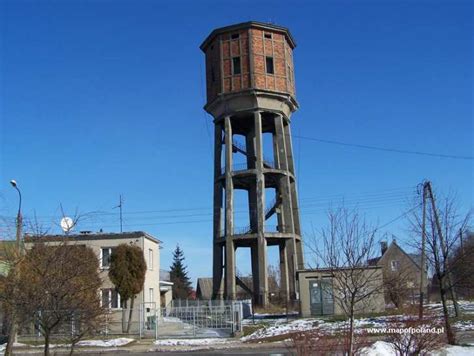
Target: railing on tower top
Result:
[247, 230]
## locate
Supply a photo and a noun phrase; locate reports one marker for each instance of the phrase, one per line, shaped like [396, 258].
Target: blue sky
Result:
[101, 98]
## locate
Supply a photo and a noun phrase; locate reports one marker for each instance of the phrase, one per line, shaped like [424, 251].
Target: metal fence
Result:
[200, 318]
[178, 319]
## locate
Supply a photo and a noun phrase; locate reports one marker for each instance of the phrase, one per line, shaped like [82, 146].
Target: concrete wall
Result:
[166, 297]
[152, 277]
[373, 304]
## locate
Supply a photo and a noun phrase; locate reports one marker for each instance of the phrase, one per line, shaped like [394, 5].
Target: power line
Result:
[384, 149]
[362, 200]
[399, 217]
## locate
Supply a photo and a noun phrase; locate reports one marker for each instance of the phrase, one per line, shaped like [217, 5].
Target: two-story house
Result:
[147, 302]
[401, 273]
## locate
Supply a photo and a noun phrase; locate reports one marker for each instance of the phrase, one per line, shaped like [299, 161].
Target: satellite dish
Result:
[67, 224]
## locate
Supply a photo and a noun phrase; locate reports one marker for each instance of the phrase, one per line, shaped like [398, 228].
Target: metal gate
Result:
[206, 319]
[321, 297]
[148, 320]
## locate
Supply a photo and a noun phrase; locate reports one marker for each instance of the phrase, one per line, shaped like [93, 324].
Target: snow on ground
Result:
[283, 328]
[455, 351]
[467, 307]
[106, 343]
[464, 325]
[378, 348]
[190, 342]
[90, 343]
[15, 344]
[382, 348]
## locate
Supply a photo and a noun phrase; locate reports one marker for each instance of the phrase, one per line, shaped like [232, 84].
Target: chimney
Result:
[383, 247]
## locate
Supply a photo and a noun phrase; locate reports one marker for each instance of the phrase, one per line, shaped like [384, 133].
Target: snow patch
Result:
[379, 348]
[190, 342]
[105, 343]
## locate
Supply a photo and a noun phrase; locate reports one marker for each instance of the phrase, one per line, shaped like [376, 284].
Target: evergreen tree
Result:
[127, 272]
[179, 276]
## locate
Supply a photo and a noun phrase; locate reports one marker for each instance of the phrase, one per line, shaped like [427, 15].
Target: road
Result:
[257, 352]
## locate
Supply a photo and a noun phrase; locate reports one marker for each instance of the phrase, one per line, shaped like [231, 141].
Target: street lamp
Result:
[18, 216]
[12, 333]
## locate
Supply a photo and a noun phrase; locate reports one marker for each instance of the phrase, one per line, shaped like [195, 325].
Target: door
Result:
[315, 300]
[321, 297]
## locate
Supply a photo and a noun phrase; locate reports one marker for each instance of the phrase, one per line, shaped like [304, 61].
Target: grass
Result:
[250, 329]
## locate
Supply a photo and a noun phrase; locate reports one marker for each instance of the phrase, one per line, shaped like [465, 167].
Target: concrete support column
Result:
[229, 214]
[294, 198]
[284, 283]
[218, 263]
[255, 269]
[261, 241]
[290, 248]
[285, 191]
[252, 190]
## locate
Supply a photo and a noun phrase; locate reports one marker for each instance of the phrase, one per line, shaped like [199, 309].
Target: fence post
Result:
[107, 323]
[156, 324]
[194, 321]
[140, 320]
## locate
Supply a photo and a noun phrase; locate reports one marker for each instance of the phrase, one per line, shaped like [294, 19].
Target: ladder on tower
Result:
[269, 211]
[242, 285]
[237, 147]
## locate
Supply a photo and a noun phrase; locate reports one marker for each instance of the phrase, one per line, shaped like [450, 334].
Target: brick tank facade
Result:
[252, 45]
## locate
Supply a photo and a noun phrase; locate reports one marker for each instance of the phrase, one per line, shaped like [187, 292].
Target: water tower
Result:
[251, 95]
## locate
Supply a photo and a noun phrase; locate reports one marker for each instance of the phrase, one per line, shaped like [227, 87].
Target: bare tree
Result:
[462, 265]
[443, 223]
[273, 273]
[398, 285]
[56, 289]
[347, 245]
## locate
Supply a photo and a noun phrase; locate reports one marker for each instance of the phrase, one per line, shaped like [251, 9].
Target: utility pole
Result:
[120, 209]
[423, 247]
[444, 249]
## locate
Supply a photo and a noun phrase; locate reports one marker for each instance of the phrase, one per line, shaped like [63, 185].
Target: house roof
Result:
[415, 258]
[92, 236]
[326, 269]
[204, 287]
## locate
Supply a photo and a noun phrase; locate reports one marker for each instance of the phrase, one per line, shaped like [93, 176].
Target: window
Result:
[105, 254]
[234, 36]
[269, 63]
[151, 293]
[236, 65]
[289, 74]
[395, 265]
[268, 35]
[150, 259]
[110, 298]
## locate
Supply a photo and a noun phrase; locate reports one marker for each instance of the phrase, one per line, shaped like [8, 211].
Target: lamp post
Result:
[18, 216]
[12, 334]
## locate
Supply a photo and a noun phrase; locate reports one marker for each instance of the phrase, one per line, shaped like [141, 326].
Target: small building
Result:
[147, 302]
[320, 291]
[166, 288]
[401, 272]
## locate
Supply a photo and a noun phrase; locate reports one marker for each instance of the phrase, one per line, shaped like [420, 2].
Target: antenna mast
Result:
[120, 209]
